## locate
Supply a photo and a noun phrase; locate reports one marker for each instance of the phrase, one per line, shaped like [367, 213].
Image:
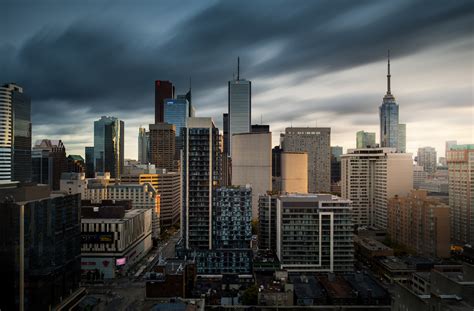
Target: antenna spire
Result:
[388, 73]
[238, 68]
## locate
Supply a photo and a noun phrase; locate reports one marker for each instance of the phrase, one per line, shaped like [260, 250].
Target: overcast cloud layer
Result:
[310, 62]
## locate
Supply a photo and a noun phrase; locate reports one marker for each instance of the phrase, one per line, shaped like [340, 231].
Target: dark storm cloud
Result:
[104, 66]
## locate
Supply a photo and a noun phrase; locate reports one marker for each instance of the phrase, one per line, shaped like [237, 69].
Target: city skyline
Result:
[430, 47]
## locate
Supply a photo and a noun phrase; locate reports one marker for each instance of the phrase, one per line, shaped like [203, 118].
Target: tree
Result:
[250, 296]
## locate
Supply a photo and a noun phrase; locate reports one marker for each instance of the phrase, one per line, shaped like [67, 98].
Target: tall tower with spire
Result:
[388, 113]
[240, 106]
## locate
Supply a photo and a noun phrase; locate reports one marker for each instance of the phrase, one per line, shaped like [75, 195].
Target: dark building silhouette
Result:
[260, 128]
[75, 163]
[49, 162]
[225, 118]
[163, 146]
[163, 90]
[109, 146]
[51, 248]
[89, 152]
[276, 161]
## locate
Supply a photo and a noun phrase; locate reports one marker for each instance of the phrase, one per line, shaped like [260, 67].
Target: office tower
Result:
[109, 146]
[162, 145]
[461, 192]
[176, 111]
[48, 162]
[260, 128]
[90, 170]
[240, 106]
[225, 120]
[127, 240]
[370, 177]
[388, 113]
[316, 141]
[427, 158]
[226, 170]
[336, 153]
[40, 240]
[365, 140]
[143, 146]
[201, 174]
[402, 138]
[314, 233]
[276, 168]
[267, 222]
[252, 164]
[75, 163]
[163, 90]
[294, 172]
[15, 115]
[420, 223]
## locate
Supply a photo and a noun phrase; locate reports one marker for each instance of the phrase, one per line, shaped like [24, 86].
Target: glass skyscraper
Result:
[108, 146]
[388, 113]
[176, 112]
[240, 107]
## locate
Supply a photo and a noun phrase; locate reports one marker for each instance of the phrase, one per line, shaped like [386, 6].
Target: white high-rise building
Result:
[240, 106]
[370, 177]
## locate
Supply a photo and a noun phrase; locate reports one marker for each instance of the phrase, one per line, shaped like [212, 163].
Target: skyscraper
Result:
[201, 174]
[388, 113]
[426, 157]
[370, 177]
[294, 172]
[176, 111]
[15, 151]
[461, 193]
[90, 170]
[48, 162]
[316, 141]
[449, 144]
[163, 90]
[225, 120]
[143, 146]
[402, 138]
[109, 146]
[252, 164]
[240, 106]
[162, 145]
[365, 140]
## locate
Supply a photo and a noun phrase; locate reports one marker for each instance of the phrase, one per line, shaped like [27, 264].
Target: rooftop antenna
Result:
[238, 68]
[388, 72]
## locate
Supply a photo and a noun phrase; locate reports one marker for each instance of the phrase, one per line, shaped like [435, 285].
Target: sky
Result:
[311, 63]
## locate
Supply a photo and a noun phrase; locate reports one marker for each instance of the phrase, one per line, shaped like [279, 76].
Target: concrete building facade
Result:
[294, 172]
[426, 157]
[370, 177]
[252, 164]
[316, 141]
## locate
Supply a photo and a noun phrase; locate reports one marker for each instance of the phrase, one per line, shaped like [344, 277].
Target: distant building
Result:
[225, 125]
[388, 113]
[267, 222]
[162, 146]
[73, 183]
[143, 146]
[15, 116]
[40, 237]
[294, 172]
[402, 138]
[420, 223]
[90, 170]
[260, 128]
[316, 141]
[336, 152]
[239, 107]
[449, 144]
[461, 194]
[176, 112]
[49, 162]
[276, 168]
[113, 239]
[370, 177]
[426, 157]
[75, 163]
[306, 229]
[365, 140]
[419, 176]
[163, 90]
[109, 146]
[252, 163]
